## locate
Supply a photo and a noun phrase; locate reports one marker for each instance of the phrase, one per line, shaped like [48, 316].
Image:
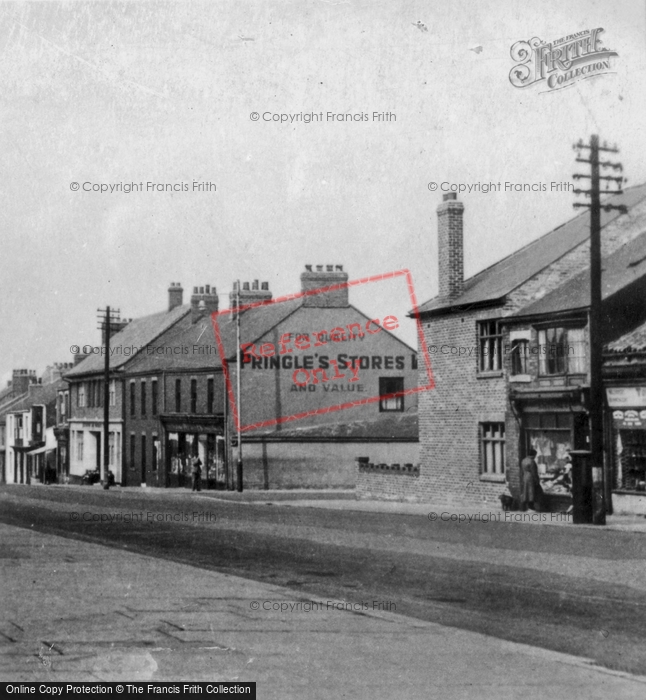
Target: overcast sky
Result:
[113, 93]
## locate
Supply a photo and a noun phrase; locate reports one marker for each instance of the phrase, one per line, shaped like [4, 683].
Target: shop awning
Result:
[50, 443]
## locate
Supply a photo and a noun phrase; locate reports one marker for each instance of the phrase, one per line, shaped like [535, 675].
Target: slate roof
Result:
[633, 341]
[38, 394]
[619, 270]
[498, 280]
[139, 332]
[254, 323]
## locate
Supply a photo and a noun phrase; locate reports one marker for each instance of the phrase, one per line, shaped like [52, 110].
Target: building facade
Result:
[510, 355]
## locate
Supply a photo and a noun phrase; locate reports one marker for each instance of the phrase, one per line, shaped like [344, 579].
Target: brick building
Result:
[13, 393]
[495, 393]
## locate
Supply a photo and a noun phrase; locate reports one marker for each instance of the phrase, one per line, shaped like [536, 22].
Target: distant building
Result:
[30, 441]
[15, 390]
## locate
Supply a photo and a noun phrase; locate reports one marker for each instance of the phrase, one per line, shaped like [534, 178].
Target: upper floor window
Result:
[520, 356]
[210, 395]
[193, 395]
[178, 396]
[391, 385]
[562, 351]
[132, 399]
[113, 393]
[81, 395]
[489, 346]
[153, 397]
[143, 398]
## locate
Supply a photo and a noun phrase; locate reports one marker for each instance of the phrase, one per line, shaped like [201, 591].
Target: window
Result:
[210, 395]
[178, 395]
[153, 397]
[193, 395]
[132, 398]
[133, 447]
[79, 445]
[493, 448]
[111, 447]
[81, 395]
[143, 398]
[562, 351]
[113, 393]
[390, 385]
[520, 356]
[143, 454]
[155, 453]
[489, 346]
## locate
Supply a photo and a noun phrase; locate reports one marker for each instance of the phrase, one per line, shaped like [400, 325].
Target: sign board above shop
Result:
[627, 397]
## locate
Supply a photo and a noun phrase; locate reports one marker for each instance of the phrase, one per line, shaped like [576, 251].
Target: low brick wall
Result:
[394, 481]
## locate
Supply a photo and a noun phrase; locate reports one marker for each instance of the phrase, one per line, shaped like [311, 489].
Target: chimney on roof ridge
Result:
[450, 247]
[175, 295]
[204, 302]
[325, 276]
[249, 294]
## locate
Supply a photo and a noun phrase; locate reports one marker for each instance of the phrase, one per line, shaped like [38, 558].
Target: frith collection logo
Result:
[561, 62]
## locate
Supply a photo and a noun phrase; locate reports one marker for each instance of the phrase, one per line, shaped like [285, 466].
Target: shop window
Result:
[387, 386]
[492, 436]
[631, 453]
[562, 351]
[489, 346]
[551, 435]
[210, 395]
[153, 397]
[193, 395]
[143, 398]
[178, 395]
[132, 398]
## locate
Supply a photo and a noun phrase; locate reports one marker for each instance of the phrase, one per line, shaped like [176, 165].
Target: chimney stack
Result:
[22, 379]
[325, 276]
[249, 294]
[175, 295]
[450, 247]
[204, 302]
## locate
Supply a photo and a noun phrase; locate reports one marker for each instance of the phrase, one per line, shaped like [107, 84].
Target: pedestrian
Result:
[196, 472]
[531, 492]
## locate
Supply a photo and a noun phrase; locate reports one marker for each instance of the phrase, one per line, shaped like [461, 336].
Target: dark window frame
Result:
[178, 396]
[492, 433]
[388, 386]
[489, 346]
[193, 395]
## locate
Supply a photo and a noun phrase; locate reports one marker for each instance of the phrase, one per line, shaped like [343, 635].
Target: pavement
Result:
[79, 611]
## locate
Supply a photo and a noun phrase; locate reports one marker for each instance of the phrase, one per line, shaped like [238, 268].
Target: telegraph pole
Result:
[239, 382]
[106, 327]
[597, 402]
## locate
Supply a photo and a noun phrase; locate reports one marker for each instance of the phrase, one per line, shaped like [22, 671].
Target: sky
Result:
[162, 92]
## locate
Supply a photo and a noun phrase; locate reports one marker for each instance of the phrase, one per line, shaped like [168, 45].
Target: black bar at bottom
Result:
[142, 690]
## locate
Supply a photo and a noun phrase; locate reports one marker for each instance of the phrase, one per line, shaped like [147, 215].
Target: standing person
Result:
[196, 472]
[531, 493]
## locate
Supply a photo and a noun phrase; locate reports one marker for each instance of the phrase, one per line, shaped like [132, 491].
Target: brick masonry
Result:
[450, 414]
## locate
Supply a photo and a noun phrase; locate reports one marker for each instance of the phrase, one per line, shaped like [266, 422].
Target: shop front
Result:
[192, 437]
[553, 424]
[627, 409]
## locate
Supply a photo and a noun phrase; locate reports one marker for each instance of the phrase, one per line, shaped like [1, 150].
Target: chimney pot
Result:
[330, 268]
[194, 290]
[265, 286]
[255, 284]
[308, 268]
[319, 268]
[245, 286]
[201, 290]
[449, 195]
[207, 288]
[339, 268]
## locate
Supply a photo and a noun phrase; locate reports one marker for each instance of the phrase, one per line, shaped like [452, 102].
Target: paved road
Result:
[573, 590]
